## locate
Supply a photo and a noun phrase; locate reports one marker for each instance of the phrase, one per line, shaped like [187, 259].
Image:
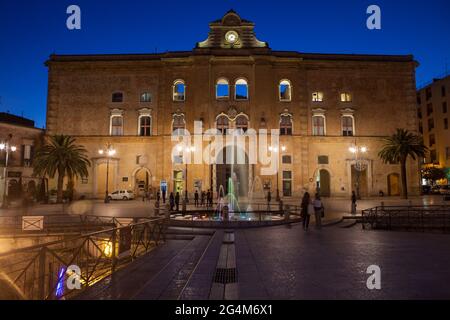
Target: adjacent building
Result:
[22, 137]
[323, 104]
[433, 101]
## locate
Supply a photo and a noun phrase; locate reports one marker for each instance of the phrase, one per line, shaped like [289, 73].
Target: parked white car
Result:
[121, 195]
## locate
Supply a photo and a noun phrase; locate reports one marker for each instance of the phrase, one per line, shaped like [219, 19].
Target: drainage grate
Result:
[225, 275]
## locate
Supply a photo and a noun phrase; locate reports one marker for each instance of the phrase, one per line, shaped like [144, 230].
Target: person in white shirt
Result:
[318, 207]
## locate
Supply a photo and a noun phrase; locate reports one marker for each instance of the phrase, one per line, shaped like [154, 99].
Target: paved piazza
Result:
[289, 263]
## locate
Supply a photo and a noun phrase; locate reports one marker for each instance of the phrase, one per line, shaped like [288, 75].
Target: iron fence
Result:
[434, 218]
[54, 270]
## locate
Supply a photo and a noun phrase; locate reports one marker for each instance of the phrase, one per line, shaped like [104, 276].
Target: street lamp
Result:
[108, 152]
[360, 164]
[188, 150]
[275, 150]
[7, 147]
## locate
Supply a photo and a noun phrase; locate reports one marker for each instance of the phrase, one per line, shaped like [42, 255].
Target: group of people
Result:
[203, 199]
[315, 207]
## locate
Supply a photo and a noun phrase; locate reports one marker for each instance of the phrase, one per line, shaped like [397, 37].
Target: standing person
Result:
[158, 196]
[171, 201]
[208, 198]
[318, 207]
[196, 198]
[269, 198]
[177, 201]
[202, 198]
[164, 196]
[306, 201]
[353, 202]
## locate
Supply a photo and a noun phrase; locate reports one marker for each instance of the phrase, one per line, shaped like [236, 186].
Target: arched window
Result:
[117, 97]
[285, 90]
[285, 125]
[318, 125]
[222, 89]
[179, 90]
[146, 97]
[222, 124]
[242, 123]
[145, 126]
[178, 124]
[116, 125]
[347, 126]
[241, 89]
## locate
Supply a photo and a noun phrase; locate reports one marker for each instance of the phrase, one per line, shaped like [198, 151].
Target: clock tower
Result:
[231, 32]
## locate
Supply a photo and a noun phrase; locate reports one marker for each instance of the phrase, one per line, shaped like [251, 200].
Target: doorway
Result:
[393, 184]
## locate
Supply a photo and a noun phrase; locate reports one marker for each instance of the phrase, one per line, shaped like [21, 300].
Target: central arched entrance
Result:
[232, 172]
[142, 178]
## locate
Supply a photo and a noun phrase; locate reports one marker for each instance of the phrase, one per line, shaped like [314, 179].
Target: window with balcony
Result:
[178, 124]
[285, 125]
[145, 126]
[347, 126]
[117, 125]
[318, 122]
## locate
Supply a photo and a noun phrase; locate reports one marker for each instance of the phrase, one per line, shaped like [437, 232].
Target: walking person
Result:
[306, 210]
[164, 196]
[196, 198]
[171, 201]
[353, 203]
[318, 207]
[177, 201]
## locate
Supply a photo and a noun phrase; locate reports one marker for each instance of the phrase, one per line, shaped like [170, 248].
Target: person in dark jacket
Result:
[196, 198]
[306, 200]
[171, 201]
[177, 201]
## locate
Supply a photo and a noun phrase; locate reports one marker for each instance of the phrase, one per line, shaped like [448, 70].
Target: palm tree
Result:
[61, 155]
[398, 147]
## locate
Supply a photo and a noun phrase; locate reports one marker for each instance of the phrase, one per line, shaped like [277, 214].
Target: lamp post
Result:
[275, 150]
[360, 164]
[188, 150]
[108, 152]
[7, 147]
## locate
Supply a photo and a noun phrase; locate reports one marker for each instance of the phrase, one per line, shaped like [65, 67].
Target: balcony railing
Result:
[410, 218]
[50, 271]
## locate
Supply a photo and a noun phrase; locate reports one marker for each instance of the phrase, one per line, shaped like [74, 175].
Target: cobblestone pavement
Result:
[289, 263]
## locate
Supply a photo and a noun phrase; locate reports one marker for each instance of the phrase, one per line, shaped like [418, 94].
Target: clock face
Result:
[231, 37]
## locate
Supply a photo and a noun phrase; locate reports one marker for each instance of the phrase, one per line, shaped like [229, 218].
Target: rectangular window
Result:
[447, 153]
[146, 97]
[287, 183]
[433, 156]
[145, 126]
[222, 90]
[432, 140]
[419, 114]
[428, 93]
[443, 91]
[286, 159]
[318, 126]
[444, 107]
[322, 159]
[241, 92]
[430, 124]
[419, 100]
[346, 97]
[445, 123]
[117, 126]
[347, 126]
[317, 96]
[429, 109]
[421, 128]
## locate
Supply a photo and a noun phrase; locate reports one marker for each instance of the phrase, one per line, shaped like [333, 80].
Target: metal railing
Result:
[43, 272]
[414, 218]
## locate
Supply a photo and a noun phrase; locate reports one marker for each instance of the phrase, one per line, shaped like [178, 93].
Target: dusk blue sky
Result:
[32, 30]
